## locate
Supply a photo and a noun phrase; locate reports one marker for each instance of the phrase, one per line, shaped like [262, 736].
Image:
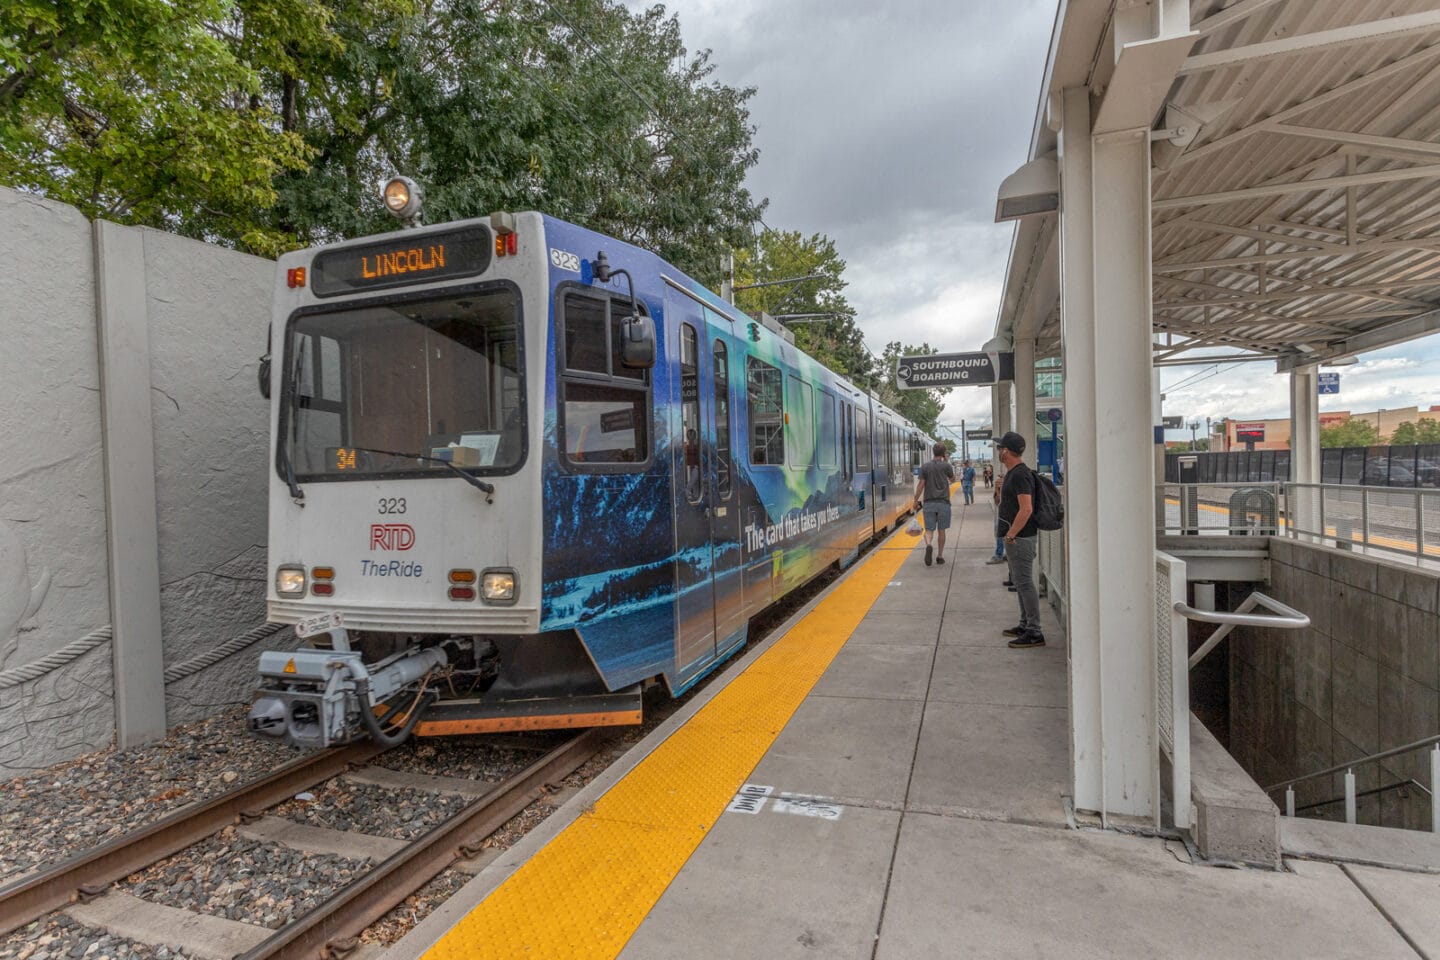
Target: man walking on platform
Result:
[1017, 508]
[932, 495]
[967, 482]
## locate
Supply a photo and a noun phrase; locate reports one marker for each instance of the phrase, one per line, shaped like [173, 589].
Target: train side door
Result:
[692, 494]
[729, 568]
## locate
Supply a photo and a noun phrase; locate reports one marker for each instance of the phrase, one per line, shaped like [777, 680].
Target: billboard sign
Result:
[1250, 432]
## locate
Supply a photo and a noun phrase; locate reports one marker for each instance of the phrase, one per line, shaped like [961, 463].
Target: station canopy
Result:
[1296, 214]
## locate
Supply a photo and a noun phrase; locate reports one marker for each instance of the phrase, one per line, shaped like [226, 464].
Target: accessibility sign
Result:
[1329, 383]
[938, 370]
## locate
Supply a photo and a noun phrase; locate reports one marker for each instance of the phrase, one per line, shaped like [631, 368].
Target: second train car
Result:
[521, 469]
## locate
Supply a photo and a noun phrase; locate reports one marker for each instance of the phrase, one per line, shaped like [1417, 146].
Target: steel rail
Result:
[87, 873]
[330, 930]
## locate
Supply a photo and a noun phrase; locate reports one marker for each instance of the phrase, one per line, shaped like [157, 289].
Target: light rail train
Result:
[520, 470]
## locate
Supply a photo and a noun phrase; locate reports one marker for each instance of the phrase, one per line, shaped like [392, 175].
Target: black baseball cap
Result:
[1012, 441]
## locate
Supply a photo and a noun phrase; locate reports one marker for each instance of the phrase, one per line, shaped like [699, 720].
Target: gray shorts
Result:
[937, 514]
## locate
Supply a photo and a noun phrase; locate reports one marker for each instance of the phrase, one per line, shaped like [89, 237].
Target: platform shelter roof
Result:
[1295, 178]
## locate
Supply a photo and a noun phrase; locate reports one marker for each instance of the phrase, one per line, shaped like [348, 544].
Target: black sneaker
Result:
[939, 559]
[1014, 632]
[929, 554]
[1008, 583]
[1025, 641]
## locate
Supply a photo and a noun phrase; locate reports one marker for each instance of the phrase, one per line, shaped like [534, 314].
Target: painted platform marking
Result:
[584, 894]
[750, 799]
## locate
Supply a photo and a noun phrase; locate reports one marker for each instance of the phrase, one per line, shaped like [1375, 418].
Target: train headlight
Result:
[290, 580]
[498, 586]
[403, 197]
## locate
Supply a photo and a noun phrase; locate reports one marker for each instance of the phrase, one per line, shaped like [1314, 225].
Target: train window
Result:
[862, 440]
[604, 406]
[413, 376]
[723, 482]
[690, 410]
[800, 430]
[585, 342]
[604, 424]
[825, 428]
[763, 394]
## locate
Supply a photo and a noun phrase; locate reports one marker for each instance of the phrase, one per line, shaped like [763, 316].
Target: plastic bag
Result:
[914, 529]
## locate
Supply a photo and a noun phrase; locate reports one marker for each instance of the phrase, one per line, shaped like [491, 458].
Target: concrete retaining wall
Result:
[86, 419]
[1364, 677]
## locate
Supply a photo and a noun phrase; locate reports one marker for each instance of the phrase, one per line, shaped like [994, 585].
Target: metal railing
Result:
[1399, 521]
[1382, 518]
[1349, 768]
[1288, 618]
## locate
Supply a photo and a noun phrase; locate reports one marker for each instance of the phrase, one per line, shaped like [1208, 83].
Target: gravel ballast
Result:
[82, 803]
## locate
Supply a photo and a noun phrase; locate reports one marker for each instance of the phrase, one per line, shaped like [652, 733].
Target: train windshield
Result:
[370, 389]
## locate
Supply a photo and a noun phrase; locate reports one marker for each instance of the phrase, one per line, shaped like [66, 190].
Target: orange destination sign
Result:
[401, 260]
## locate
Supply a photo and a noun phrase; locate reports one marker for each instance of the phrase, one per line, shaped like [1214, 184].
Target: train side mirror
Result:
[637, 342]
[264, 376]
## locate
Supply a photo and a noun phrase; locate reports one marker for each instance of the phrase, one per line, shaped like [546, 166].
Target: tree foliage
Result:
[270, 123]
[823, 320]
[920, 407]
[152, 112]
[1353, 432]
[1427, 430]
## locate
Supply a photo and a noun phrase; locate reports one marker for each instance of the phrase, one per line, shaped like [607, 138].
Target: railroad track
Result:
[331, 929]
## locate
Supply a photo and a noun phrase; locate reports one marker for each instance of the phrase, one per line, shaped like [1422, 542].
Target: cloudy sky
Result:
[889, 126]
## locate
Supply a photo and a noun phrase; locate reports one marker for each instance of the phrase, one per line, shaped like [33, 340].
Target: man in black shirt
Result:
[1017, 509]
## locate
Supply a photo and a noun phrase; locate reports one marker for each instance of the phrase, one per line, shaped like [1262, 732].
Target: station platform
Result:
[885, 778]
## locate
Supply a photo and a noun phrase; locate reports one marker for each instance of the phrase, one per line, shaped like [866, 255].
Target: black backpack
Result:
[1049, 507]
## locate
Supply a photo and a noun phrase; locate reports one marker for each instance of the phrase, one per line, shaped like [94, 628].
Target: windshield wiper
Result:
[476, 482]
[296, 494]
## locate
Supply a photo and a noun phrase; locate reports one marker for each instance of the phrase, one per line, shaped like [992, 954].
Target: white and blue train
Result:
[522, 470]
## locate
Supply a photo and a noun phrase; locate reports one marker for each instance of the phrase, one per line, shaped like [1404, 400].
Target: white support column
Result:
[1305, 443]
[134, 556]
[1105, 310]
[1024, 388]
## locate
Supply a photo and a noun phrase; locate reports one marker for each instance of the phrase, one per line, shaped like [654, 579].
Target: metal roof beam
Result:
[1358, 139]
[1340, 36]
[1424, 172]
[1319, 100]
[1265, 235]
[1411, 328]
[1360, 249]
[1193, 361]
[1370, 291]
[1232, 14]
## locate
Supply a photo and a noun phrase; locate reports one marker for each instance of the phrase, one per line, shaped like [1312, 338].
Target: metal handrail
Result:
[1350, 764]
[1289, 619]
[1374, 791]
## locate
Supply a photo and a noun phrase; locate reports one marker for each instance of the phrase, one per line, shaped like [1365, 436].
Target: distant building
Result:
[1233, 434]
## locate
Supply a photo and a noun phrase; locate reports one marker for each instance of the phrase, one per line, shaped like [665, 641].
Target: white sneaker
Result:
[994, 560]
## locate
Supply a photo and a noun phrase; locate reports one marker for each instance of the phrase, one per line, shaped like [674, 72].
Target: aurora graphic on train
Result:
[522, 470]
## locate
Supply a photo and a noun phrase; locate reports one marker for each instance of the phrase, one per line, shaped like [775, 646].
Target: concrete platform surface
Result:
[1358, 843]
[913, 805]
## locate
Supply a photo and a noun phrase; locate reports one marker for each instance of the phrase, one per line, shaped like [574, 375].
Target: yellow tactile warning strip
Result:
[584, 893]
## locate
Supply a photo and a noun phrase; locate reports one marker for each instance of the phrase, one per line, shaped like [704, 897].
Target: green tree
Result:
[824, 322]
[1426, 431]
[579, 108]
[1353, 432]
[920, 407]
[152, 112]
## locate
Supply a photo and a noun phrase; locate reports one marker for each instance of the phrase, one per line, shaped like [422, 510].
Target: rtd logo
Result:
[391, 536]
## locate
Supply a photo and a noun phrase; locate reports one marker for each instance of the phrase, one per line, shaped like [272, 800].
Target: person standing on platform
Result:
[1000, 526]
[967, 482]
[932, 495]
[1017, 509]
